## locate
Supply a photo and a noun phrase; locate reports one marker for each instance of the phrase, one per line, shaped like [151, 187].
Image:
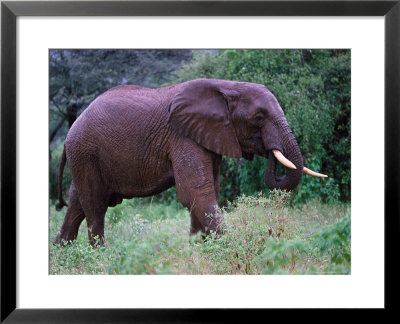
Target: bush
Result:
[331, 244]
[261, 235]
[249, 224]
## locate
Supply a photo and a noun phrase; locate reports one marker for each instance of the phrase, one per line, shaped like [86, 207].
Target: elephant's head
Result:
[239, 119]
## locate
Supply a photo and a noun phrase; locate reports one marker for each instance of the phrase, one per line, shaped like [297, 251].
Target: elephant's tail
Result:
[61, 201]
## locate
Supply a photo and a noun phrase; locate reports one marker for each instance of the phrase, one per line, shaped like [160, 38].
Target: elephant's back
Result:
[122, 109]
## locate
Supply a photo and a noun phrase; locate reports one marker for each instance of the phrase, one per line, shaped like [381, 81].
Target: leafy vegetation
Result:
[262, 235]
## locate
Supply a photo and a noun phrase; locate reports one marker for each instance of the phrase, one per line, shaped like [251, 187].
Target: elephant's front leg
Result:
[195, 184]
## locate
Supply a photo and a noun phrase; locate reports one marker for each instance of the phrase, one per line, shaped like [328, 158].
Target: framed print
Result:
[333, 67]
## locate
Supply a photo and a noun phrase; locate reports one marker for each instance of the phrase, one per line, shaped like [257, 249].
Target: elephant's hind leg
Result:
[73, 219]
[95, 198]
[95, 223]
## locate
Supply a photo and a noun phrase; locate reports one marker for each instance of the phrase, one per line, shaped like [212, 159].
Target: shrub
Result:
[261, 236]
[331, 244]
[249, 224]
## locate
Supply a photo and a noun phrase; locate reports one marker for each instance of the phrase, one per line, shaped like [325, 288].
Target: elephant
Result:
[133, 141]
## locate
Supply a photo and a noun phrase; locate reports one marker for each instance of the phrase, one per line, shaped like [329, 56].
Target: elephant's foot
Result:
[214, 227]
[61, 239]
[215, 224]
[96, 232]
[96, 241]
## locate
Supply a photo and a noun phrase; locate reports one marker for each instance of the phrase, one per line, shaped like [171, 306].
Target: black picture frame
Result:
[10, 10]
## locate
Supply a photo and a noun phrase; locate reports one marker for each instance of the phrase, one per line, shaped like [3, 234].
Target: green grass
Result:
[262, 236]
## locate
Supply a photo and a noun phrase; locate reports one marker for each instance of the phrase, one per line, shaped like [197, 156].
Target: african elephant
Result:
[134, 142]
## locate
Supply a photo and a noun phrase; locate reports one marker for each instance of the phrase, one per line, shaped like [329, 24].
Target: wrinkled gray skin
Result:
[134, 142]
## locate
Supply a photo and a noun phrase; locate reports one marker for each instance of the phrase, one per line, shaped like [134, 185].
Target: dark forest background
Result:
[312, 86]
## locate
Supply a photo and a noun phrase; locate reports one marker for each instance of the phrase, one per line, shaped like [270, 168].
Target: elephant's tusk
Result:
[313, 173]
[281, 158]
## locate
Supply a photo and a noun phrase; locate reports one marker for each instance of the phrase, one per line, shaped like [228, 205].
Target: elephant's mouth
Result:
[292, 173]
[281, 158]
[289, 164]
[248, 156]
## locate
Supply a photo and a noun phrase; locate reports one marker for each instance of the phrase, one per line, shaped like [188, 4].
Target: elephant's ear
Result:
[200, 110]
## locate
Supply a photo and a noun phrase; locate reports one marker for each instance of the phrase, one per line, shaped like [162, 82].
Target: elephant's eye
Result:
[259, 118]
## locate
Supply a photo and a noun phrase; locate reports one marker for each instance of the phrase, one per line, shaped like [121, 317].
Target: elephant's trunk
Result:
[290, 149]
